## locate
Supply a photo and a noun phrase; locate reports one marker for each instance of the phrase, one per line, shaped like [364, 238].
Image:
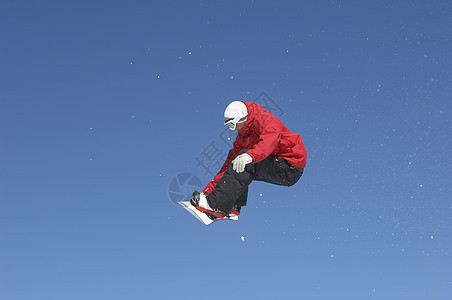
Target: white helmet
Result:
[236, 112]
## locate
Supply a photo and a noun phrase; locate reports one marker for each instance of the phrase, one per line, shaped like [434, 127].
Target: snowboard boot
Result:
[199, 201]
[235, 210]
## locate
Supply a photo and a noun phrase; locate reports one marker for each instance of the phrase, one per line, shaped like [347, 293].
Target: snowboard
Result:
[202, 216]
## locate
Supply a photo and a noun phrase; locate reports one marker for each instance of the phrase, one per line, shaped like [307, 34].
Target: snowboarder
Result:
[264, 150]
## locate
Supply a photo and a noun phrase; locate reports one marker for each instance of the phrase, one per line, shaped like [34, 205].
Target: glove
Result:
[239, 163]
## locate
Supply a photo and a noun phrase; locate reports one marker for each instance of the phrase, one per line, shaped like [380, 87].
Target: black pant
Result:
[233, 187]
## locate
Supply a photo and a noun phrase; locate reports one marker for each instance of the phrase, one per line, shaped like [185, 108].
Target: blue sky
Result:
[103, 103]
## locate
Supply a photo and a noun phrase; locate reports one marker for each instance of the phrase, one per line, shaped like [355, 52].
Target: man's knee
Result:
[248, 167]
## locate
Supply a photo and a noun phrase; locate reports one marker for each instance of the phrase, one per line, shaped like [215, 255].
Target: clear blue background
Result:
[102, 103]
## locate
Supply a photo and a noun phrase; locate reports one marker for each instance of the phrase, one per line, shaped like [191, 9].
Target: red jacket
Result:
[264, 135]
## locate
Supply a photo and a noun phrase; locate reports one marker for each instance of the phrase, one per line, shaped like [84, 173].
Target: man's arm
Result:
[214, 181]
[268, 141]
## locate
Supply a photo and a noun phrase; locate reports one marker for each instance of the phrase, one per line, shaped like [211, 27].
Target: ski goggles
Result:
[232, 122]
